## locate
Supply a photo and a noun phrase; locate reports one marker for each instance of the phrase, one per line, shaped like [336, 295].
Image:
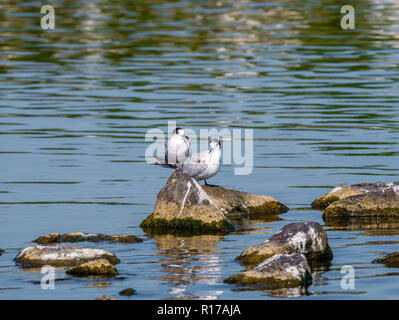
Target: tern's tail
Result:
[162, 163]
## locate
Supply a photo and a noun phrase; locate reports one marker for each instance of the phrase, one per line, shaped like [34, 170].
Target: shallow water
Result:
[77, 101]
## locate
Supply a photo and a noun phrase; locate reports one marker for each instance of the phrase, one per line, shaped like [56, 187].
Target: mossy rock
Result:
[307, 238]
[345, 205]
[98, 267]
[390, 260]
[55, 238]
[184, 207]
[127, 292]
[279, 271]
[339, 192]
[185, 227]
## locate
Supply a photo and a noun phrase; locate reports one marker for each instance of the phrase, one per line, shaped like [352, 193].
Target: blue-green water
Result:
[77, 101]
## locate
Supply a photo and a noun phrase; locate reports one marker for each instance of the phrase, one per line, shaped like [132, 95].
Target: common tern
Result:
[177, 149]
[204, 165]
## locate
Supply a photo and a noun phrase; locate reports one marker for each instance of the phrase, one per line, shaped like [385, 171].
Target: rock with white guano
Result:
[183, 206]
[279, 271]
[307, 238]
[61, 255]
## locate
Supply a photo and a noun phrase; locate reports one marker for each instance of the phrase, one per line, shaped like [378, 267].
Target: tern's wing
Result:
[194, 168]
[166, 152]
[167, 165]
[200, 157]
[160, 161]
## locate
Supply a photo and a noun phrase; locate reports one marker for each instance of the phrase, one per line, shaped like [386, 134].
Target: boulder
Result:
[184, 207]
[1, 251]
[61, 255]
[348, 204]
[55, 238]
[307, 238]
[127, 292]
[279, 271]
[390, 260]
[98, 267]
[238, 204]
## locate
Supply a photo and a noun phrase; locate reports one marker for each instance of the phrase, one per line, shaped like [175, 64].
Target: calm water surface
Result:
[77, 101]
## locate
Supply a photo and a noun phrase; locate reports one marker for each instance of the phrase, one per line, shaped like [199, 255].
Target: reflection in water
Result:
[187, 260]
[77, 101]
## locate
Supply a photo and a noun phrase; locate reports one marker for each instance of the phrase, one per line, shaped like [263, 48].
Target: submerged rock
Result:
[61, 255]
[184, 207]
[55, 238]
[98, 267]
[279, 271]
[127, 292]
[307, 238]
[105, 297]
[368, 200]
[390, 260]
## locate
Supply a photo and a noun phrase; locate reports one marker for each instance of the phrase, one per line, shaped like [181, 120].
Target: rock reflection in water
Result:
[190, 261]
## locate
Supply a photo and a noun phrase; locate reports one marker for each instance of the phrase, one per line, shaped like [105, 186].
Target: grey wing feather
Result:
[194, 168]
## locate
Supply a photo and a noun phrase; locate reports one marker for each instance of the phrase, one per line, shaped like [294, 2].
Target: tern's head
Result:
[179, 131]
[214, 144]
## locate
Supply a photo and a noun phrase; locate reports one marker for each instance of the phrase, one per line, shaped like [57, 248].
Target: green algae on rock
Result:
[98, 267]
[279, 271]
[127, 292]
[390, 260]
[183, 206]
[61, 255]
[346, 203]
[55, 238]
[307, 238]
